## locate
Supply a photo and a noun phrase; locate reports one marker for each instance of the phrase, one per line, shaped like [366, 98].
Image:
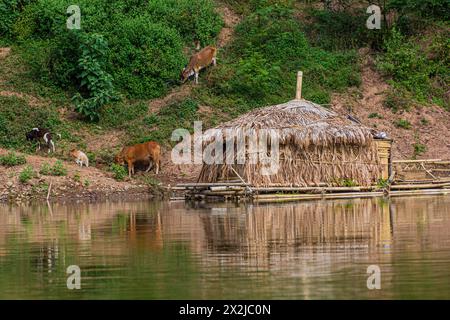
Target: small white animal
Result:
[80, 157]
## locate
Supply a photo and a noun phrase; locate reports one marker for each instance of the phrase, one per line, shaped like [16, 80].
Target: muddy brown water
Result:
[160, 250]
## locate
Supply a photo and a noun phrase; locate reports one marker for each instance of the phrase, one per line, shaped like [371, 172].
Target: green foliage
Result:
[375, 115]
[348, 183]
[146, 58]
[119, 115]
[95, 82]
[138, 47]
[253, 76]
[26, 174]
[246, 7]
[406, 64]
[194, 20]
[103, 156]
[425, 8]
[382, 183]
[403, 123]
[16, 118]
[145, 54]
[412, 71]
[45, 169]
[261, 63]
[76, 176]
[398, 99]
[341, 30]
[41, 19]
[9, 12]
[177, 115]
[419, 149]
[12, 159]
[424, 122]
[119, 172]
[143, 126]
[151, 182]
[57, 169]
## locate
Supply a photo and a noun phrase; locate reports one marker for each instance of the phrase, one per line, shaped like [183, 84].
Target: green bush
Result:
[177, 115]
[145, 41]
[426, 79]
[254, 76]
[402, 123]
[95, 83]
[26, 174]
[76, 176]
[269, 48]
[41, 19]
[57, 169]
[398, 98]
[341, 30]
[382, 183]
[119, 172]
[119, 115]
[12, 159]
[146, 58]
[75, 61]
[405, 63]
[348, 183]
[45, 169]
[9, 12]
[194, 20]
[17, 118]
[425, 8]
[375, 115]
[419, 149]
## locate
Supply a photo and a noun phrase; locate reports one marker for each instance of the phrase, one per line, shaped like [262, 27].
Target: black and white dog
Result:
[41, 134]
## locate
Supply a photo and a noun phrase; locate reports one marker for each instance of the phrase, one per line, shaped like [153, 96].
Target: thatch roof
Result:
[317, 146]
[301, 122]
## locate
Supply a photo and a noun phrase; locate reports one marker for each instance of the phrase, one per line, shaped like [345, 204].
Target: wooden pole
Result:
[240, 178]
[298, 94]
[49, 190]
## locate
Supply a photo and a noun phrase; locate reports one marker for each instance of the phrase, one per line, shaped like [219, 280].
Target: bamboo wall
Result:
[384, 147]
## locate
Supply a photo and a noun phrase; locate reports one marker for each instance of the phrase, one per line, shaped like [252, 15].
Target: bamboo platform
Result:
[408, 178]
[241, 192]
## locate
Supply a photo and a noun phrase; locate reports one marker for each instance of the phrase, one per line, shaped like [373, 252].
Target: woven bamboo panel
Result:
[384, 153]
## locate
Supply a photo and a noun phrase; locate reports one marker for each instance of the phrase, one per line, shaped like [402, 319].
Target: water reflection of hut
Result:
[316, 147]
[287, 232]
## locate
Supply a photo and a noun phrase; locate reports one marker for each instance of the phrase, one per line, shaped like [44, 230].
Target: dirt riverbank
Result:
[85, 184]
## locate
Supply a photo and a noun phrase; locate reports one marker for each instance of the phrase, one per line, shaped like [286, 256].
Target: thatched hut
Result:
[316, 147]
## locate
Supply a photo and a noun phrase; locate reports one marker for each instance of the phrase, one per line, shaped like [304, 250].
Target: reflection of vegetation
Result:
[145, 250]
[383, 202]
[120, 223]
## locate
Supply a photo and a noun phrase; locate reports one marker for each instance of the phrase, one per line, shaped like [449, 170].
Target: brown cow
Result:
[198, 61]
[148, 151]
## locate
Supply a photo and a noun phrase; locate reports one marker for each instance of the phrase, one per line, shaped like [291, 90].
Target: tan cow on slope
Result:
[198, 61]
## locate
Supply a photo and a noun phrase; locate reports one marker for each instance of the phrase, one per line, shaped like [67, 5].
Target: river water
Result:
[161, 250]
